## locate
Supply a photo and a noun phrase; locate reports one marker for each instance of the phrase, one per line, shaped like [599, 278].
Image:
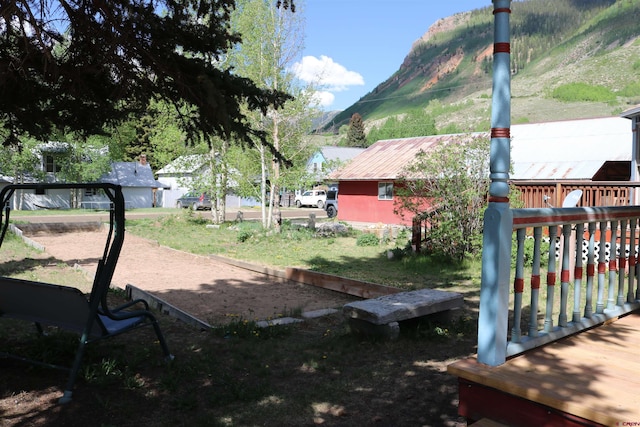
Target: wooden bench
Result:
[381, 316]
[67, 307]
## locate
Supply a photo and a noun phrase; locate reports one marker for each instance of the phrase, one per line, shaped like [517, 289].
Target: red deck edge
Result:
[478, 401]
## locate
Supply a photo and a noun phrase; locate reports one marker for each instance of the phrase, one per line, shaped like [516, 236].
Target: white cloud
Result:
[323, 98]
[326, 74]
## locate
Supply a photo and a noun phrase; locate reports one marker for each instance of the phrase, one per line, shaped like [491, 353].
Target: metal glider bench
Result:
[67, 307]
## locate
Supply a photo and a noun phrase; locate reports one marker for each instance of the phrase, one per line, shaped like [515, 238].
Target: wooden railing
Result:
[548, 194]
[604, 241]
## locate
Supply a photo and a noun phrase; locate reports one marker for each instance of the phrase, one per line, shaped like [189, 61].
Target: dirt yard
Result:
[391, 384]
[209, 290]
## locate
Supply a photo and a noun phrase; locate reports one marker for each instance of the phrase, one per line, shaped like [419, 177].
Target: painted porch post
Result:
[498, 219]
[635, 123]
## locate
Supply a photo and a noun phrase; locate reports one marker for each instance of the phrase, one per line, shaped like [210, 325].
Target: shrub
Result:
[367, 239]
[244, 235]
[576, 92]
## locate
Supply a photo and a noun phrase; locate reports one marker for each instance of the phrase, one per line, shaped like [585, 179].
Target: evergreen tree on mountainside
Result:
[355, 134]
[80, 65]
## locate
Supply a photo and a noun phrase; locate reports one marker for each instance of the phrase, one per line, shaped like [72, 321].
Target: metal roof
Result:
[131, 174]
[570, 149]
[184, 164]
[631, 112]
[331, 153]
[386, 159]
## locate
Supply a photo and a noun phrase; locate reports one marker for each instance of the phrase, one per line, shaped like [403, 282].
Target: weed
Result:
[367, 239]
[244, 235]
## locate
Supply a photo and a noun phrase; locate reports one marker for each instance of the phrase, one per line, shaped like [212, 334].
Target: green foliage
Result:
[103, 75]
[632, 90]
[573, 92]
[355, 134]
[265, 56]
[367, 239]
[446, 187]
[414, 123]
[528, 252]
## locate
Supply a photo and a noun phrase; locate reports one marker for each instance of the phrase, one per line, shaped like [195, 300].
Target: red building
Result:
[368, 182]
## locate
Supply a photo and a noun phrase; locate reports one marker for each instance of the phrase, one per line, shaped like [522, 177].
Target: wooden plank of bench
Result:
[402, 306]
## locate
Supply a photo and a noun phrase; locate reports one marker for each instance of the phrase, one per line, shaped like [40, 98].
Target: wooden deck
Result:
[590, 378]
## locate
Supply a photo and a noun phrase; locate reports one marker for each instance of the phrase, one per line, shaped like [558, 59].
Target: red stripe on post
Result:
[591, 270]
[500, 133]
[577, 273]
[501, 47]
[551, 279]
[535, 281]
[502, 10]
[602, 267]
[564, 276]
[518, 285]
[623, 263]
[612, 265]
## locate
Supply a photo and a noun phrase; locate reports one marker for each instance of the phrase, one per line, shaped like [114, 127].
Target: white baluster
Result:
[564, 274]
[622, 262]
[602, 267]
[518, 287]
[551, 279]
[588, 306]
[613, 265]
[632, 259]
[577, 275]
[535, 282]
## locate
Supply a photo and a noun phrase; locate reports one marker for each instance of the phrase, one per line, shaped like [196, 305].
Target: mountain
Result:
[569, 58]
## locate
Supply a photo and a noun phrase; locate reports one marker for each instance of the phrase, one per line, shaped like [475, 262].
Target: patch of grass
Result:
[296, 246]
[576, 92]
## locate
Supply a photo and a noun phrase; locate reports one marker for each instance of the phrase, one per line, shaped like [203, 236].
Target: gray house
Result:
[139, 187]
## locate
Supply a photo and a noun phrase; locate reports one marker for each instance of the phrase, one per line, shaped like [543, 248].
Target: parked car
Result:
[331, 203]
[194, 200]
[311, 198]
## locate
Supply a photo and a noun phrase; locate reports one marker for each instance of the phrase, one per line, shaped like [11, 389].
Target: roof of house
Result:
[331, 153]
[386, 159]
[568, 149]
[184, 164]
[631, 112]
[571, 149]
[131, 174]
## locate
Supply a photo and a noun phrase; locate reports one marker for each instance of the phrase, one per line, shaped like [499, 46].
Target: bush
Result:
[244, 235]
[576, 92]
[367, 239]
[528, 252]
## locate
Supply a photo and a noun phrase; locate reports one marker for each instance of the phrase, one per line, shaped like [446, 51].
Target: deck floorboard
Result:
[591, 375]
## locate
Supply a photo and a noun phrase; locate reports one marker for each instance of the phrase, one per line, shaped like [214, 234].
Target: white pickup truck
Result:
[311, 198]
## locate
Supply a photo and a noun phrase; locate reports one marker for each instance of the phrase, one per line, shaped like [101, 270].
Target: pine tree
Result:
[355, 135]
[80, 65]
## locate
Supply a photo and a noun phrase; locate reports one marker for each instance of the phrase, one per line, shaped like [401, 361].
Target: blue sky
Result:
[351, 46]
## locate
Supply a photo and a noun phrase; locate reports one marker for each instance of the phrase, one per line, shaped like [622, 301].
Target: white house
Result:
[136, 178]
[178, 179]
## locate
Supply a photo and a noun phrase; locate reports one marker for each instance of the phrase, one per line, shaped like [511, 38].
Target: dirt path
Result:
[207, 289]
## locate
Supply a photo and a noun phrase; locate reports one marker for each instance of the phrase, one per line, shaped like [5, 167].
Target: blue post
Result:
[498, 219]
